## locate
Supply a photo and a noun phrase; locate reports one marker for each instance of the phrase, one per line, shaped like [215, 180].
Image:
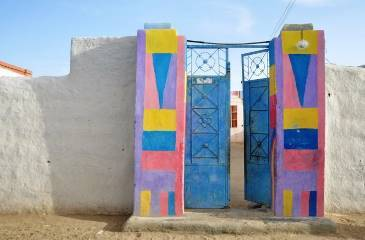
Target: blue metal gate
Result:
[256, 127]
[207, 126]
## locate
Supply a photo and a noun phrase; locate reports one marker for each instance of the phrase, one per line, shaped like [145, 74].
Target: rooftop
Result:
[16, 69]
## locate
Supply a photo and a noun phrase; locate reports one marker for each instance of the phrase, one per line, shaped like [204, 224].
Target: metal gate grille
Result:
[255, 67]
[206, 61]
[256, 126]
[207, 136]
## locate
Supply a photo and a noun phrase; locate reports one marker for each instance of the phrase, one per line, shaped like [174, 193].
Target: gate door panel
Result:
[207, 124]
[256, 127]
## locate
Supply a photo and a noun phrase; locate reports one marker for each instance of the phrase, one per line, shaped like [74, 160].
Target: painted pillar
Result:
[159, 123]
[272, 115]
[300, 117]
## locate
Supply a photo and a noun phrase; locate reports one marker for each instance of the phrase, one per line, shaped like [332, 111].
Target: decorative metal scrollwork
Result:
[206, 61]
[205, 120]
[258, 151]
[256, 66]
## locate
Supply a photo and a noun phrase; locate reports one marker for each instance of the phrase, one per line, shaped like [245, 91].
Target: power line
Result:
[286, 15]
[326, 58]
[283, 17]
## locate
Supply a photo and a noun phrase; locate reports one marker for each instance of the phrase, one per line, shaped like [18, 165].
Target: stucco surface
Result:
[345, 139]
[66, 142]
[7, 73]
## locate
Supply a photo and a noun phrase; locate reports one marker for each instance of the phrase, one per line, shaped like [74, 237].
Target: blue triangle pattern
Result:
[300, 64]
[161, 63]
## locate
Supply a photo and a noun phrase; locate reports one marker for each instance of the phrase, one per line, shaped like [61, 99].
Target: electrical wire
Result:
[326, 58]
[283, 17]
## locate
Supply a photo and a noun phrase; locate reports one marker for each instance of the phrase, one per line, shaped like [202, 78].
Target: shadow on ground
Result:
[113, 223]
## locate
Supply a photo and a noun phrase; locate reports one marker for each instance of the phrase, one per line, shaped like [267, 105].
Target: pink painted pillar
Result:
[159, 123]
[298, 105]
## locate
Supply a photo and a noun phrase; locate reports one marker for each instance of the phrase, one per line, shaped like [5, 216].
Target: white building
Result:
[236, 116]
[9, 70]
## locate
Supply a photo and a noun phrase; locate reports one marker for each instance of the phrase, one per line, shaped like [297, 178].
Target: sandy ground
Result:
[237, 174]
[111, 227]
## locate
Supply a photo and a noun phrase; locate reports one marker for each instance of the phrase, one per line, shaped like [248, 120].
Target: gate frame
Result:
[247, 80]
[216, 74]
[263, 46]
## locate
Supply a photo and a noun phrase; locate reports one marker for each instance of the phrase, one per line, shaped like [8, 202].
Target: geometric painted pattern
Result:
[299, 64]
[290, 39]
[298, 109]
[272, 114]
[160, 123]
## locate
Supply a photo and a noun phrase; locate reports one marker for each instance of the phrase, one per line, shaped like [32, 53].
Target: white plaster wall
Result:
[237, 133]
[7, 73]
[66, 143]
[345, 139]
[25, 175]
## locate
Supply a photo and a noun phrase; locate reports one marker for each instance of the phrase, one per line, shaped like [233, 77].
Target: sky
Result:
[36, 34]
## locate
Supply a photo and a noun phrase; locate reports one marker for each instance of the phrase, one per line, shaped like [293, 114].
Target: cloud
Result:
[238, 18]
[316, 3]
[245, 20]
[227, 20]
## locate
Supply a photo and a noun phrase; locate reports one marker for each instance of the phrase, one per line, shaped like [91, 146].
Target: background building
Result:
[236, 116]
[9, 70]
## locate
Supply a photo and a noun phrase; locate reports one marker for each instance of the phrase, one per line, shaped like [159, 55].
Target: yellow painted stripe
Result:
[161, 41]
[159, 120]
[145, 203]
[287, 203]
[291, 38]
[300, 118]
[272, 80]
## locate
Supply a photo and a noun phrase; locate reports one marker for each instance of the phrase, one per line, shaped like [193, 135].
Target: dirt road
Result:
[111, 227]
